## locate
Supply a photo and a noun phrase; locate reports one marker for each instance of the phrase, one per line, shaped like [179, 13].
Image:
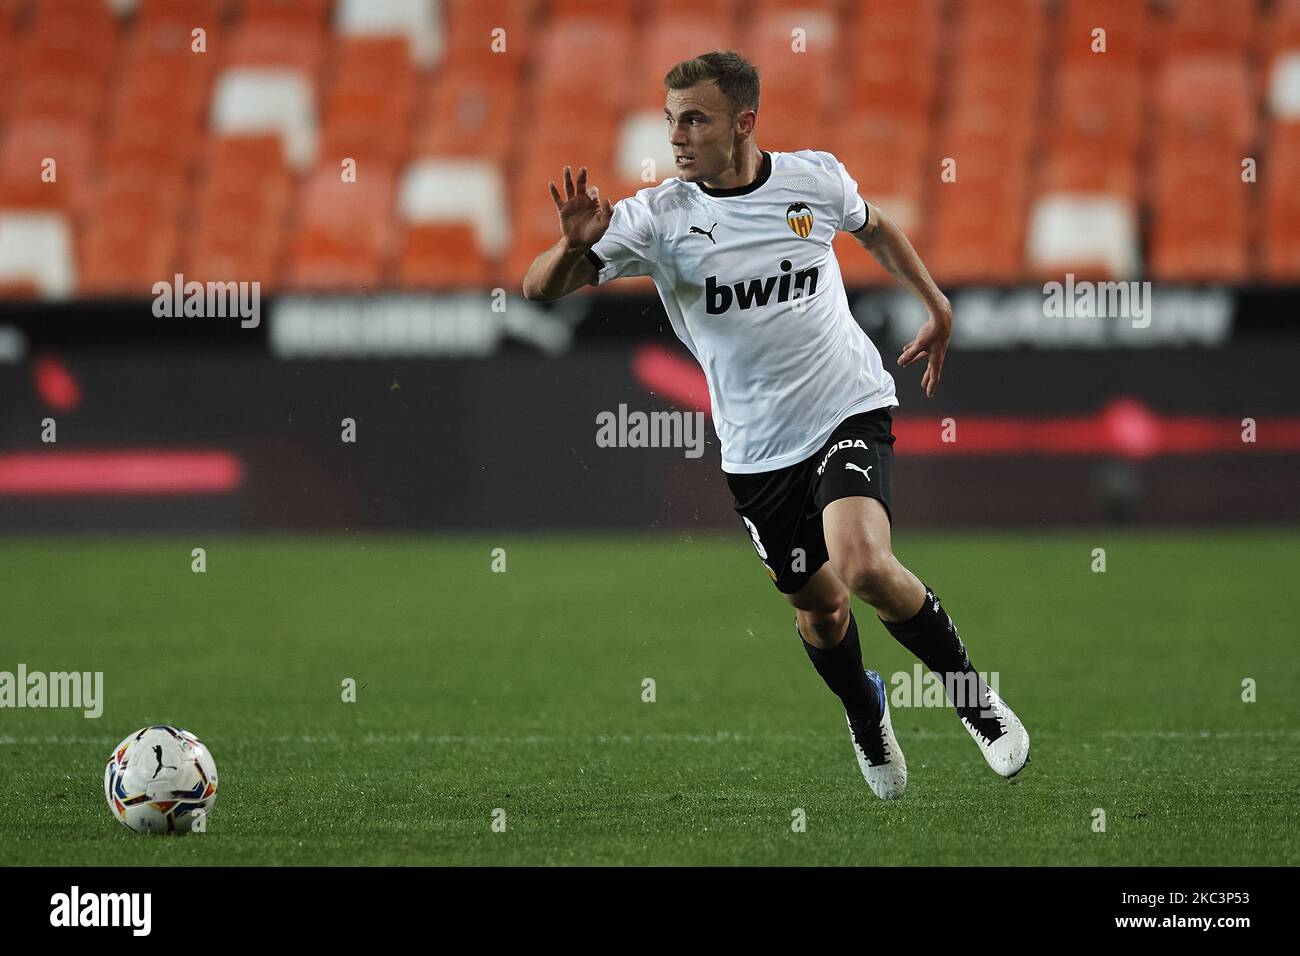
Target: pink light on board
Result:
[120, 472]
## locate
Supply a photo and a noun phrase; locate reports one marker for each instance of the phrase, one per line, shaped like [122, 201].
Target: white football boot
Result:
[879, 757]
[997, 731]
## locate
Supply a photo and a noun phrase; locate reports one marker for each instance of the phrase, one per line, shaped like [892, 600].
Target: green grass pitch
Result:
[523, 691]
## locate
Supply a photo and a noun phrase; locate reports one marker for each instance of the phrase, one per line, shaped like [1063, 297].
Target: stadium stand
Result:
[349, 144]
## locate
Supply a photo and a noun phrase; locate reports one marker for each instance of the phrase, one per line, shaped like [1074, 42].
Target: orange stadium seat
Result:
[1200, 241]
[151, 86]
[373, 64]
[183, 13]
[245, 166]
[273, 43]
[571, 54]
[1196, 186]
[65, 60]
[973, 256]
[1205, 126]
[25, 146]
[366, 127]
[1006, 112]
[889, 76]
[131, 241]
[1096, 100]
[470, 26]
[976, 240]
[762, 8]
[1006, 30]
[615, 16]
[1127, 30]
[1206, 99]
[240, 208]
[903, 21]
[1282, 29]
[80, 24]
[1088, 151]
[166, 38]
[792, 78]
[442, 257]
[471, 113]
[294, 14]
[788, 124]
[989, 158]
[1198, 27]
[1085, 166]
[713, 9]
[165, 189]
[160, 101]
[8, 56]
[368, 112]
[344, 233]
[797, 91]
[1279, 237]
[887, 161]
[48, 91]
[558, 129]
[669, 41]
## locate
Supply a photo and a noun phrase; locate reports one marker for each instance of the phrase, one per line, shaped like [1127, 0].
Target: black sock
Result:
[932, 637]
[841, 668]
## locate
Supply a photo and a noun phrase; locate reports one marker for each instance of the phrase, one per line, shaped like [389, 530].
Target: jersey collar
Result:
[764, 173]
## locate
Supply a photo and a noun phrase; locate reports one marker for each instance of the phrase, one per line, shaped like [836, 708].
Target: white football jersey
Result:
[751, 285]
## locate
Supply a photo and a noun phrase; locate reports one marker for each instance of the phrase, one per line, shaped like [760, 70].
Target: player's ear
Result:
[745, 122]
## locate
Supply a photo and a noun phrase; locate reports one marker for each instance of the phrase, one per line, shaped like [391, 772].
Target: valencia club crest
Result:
[800, 219]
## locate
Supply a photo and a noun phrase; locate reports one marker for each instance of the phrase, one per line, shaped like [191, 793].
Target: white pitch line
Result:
[721, 737]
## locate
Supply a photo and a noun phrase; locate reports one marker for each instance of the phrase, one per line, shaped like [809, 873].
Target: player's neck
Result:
[743, 173]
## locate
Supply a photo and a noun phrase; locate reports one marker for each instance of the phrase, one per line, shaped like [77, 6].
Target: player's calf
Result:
[931, 635]
[863, 694]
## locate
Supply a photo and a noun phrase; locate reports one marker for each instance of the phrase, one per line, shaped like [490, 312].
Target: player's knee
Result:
[868, 573]
[825, 621]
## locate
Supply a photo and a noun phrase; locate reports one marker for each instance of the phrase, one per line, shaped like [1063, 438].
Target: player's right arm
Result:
[583, 219]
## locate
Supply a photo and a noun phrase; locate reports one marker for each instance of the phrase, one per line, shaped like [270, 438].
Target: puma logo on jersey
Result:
[846, 443]
[867, 472]
[756, 292]
[709, 233]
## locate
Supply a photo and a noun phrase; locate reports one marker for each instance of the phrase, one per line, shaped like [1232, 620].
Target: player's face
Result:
[702, 131]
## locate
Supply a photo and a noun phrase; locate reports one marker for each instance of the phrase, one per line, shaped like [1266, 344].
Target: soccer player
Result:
[739, 246]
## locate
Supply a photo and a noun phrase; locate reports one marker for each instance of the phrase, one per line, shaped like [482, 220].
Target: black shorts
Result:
[782, 510]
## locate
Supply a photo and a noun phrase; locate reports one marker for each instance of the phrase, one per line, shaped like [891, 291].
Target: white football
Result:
[159, 778]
